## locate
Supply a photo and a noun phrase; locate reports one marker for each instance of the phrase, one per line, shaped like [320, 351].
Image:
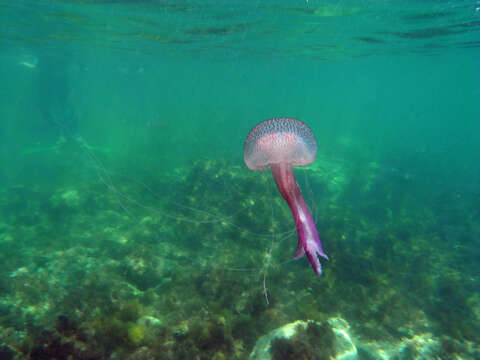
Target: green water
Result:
[130, 226]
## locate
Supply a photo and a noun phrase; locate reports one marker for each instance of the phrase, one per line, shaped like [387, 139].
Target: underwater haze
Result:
[131, 227]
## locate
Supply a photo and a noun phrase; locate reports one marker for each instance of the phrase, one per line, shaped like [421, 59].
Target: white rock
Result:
[420, 346]
[345, 348]
[150, 322]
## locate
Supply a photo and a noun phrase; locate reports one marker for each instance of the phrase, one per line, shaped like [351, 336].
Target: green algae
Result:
[203, 279]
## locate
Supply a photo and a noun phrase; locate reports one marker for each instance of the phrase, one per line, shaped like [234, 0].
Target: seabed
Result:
[174, 270]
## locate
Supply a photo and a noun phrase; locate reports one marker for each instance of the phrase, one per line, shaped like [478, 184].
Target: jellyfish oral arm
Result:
[308, 240]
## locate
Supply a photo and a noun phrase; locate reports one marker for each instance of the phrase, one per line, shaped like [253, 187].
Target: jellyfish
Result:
[280, 144]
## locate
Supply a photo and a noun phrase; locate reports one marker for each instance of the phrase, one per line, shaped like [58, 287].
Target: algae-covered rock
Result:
[332, 340]
[307, 340]
[421, 346]
[67, 197]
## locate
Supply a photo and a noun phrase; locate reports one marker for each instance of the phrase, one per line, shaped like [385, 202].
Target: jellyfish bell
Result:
[277, 141]
[280, 144]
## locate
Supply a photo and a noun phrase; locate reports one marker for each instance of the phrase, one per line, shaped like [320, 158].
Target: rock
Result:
[150, 322]
[66, 199]
[328, 340]
[420, 346]
[333, 340]
[345, 348]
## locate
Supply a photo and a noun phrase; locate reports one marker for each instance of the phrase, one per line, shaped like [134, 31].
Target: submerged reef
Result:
[89, 274]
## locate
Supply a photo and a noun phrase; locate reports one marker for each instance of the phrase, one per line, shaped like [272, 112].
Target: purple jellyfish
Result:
[280, 144]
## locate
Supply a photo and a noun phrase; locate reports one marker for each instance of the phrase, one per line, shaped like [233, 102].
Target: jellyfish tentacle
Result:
[299, 252]
[308, 239]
